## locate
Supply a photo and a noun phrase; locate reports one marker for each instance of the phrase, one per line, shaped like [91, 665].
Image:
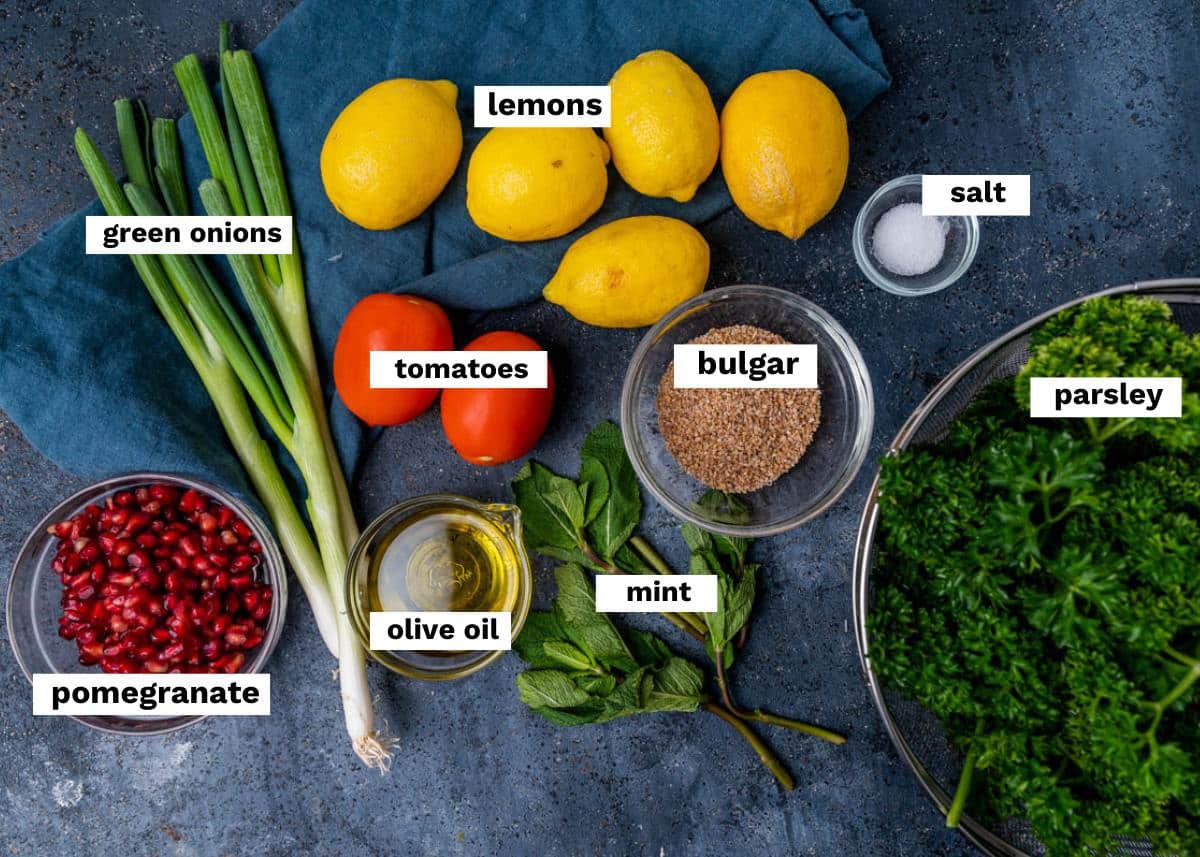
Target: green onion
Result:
[289, 298]
[208, 126]
[241, 157]
[287, 390]
[223, 388]
[168, 166]
[129, 130]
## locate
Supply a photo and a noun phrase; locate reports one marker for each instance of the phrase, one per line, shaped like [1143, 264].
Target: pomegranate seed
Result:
[229, 538]
[220, 625]
[137, 559]
[244, 562]
[141, 495]
[146, 540]
[149, 578]
[220, 581]
[123, 498]
[189, 545]
[154, 665]
[208, 523]
[169, 536]
[160, 634]
[138, 521]
[240, 581]
[122, 547]
[166, 494]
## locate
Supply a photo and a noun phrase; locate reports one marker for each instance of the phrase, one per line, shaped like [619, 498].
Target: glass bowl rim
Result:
[887, 282]
[860, 387]
[273, 562]
[359, 619]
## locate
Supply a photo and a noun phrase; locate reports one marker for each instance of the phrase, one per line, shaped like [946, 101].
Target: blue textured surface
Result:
[1097, 100]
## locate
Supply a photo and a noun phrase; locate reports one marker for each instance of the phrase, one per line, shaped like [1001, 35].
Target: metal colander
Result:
[915, 732]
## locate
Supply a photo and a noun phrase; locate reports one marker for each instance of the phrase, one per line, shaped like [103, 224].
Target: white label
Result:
[199, 235]
[1105, 397]
[397, 370]
[403, 631]
[993, 196]
[777, 366]
[147, 694]
[654, 593]
[543, 107]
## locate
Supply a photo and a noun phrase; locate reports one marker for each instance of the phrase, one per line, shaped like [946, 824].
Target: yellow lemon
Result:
[664, 135]
[784, 150]
[527, 184]
[391, 151]
[630, 272]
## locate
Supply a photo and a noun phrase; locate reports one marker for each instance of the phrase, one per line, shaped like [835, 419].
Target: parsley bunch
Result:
[1037, 588]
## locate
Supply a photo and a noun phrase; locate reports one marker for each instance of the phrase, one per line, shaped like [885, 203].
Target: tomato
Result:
[386, 322]
[495, 425]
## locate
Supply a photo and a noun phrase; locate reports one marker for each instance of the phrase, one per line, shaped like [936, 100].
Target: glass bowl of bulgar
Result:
[747, 461]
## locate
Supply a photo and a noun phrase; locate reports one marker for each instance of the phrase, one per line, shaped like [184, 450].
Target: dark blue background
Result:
[1099, 101]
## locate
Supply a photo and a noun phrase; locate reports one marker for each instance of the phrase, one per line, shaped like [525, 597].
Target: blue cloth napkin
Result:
[91, 374]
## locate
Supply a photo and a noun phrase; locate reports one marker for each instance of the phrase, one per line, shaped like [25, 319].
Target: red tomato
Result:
[385, 322]
[495, 425]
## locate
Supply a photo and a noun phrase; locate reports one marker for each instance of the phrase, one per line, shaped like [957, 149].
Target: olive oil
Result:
[446, 558]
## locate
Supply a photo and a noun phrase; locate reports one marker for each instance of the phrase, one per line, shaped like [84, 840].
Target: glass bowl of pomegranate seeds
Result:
[147, 573]
[782, 454]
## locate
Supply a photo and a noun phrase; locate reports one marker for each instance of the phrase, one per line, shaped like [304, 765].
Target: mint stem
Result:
[687, 622]
[765, 716]
[764, 752]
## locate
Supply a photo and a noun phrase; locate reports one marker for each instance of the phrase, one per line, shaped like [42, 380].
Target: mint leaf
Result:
[579, 715]
[539, 628]
[647, 649]
[627, 698]
[740, 601]
[551, 508]
[615, 521]
[567, 655]
[596, 685]
[593, 481]
[575, 608]
[549, 689]
[676, 686]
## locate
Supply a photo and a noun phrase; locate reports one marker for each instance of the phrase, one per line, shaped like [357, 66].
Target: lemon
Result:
[527, 184]
[391, 151]
[630, 272]
[664, 134]
[784, 150]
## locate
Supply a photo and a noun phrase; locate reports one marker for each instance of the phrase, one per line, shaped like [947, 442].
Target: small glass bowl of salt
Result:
[906, 253]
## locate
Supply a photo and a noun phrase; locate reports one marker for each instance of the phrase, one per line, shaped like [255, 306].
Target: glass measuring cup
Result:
[499, 522]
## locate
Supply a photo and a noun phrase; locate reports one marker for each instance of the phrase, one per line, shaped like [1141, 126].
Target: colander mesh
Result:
[919, 729]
